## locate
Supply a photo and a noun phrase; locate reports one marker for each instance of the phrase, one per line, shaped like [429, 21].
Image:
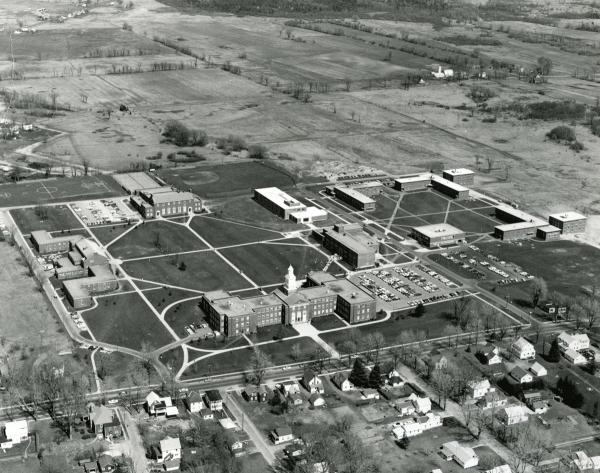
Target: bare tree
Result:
[85, 162]
[539, 290]
[259, 363]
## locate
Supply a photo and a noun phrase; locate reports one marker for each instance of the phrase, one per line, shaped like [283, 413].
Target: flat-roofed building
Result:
[462, 176]
[355, 198]
[45, 243]
[353, 245]
[568, 222]
[309, 215]
[438, 234]
[369, 188]
[278, 202]
[132, 182]
[515, 231]
[548, 233]
[99, 279]
[413, 182]
[509, 214]
[451, 189]
[165, 202]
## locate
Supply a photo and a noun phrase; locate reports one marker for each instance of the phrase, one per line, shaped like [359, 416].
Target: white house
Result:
[316, 400]
[520, 375]
[282, 435]
[464, 456]
[369, 394]
[511, 415]
[478, 389]
[342, 382]
[194, 402]
[492, 400]
[422, 404]
[290, 387]
[430, 421]
[169, 450]
[405, 408]
[538, 370]
[500, 469]
[16, 431]
[583, 462]
[575, 341]
[492, 357]
[160, 406]
[574, 357]
[312, 382]
[407, 429]
[522, 349]
[394, 379]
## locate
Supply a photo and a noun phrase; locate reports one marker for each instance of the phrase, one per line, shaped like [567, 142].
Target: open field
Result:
[161, 297]
[126, 320]
[221, 233]
[57, 218]
[107, 233]
[267, 263]
[237, 360]
[58, 190]
[155, 238]
[247, 211]
[204, 271]
[184, 313]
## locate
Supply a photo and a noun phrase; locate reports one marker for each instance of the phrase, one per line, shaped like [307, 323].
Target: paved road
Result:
[135, 444]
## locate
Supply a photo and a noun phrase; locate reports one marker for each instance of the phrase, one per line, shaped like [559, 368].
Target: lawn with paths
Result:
[161, 297]
[267, 263]
[107, 233]
[247, 211]
[203, 271]
[55, 219]
[327, 322]
[280, 353]
[224, 233]
[427, 202]
[184, 313]
[471, 222]
[126, 320]
[155, 238]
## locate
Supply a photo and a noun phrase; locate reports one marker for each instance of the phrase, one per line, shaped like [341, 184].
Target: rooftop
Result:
[162, 195]
[355, 194]
[459, 172]
[507, 227]
[519, 214]
[280, 198]
[134, 181]
[549, 229]
[310, 212]
[568, 216]
[449, 184]
[414, 178]
[438, 229]
[356, 241]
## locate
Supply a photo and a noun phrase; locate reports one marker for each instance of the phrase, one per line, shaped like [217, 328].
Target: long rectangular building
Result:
[165, 202]
[451, 189]
[413, 182]
[515, 231]
[353, 245]
[45, 243]
[355, 198]
[287, 207]
[437, 235]
[568, 222]
[462, 176]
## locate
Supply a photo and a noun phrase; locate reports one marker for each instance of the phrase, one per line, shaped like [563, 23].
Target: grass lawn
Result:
[471, 222]
[268, 263]
[108, 233]
[254, 463]
[566, 266]
[184, 313]
[224, 233]
[126, 320]
[215, 343]
[436, 318]
[117, 369]
[211, 181]
[205, 271]
[384, 208]
[246, 210]
[58, 218]
[172, 359]
[434, 218]
[327, 322]
[163, 296]
[426, 202]
[237, 360]
[272, 332]
[409, 222]
[155, 238]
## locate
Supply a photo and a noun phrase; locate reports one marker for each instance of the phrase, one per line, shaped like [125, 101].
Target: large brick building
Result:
[413, 182]
[45, 243]
[165, 202]
[462, 176]
[353, 245]
[438, 235]
[288, 207]
[519, 224]
[292, 304]
[355, 198]
[568, 222]
[451, 189]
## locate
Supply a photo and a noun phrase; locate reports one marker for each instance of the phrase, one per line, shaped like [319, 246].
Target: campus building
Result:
[451, 189]
[462, 176]
[568, 222]
[287, 207]
[294, 303]
[548, 233]
[97, 280]
[133, 182]
[165, 202]
[519, 224]
[437, 235]
[369, 188]
[413, 182]
[45, 243]
[354, 197]
[353, 245]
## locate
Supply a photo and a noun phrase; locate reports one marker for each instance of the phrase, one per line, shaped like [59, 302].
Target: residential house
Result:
[492, 400]
[405, 408]
[16, 431]
[316, 400]
[538, 370]
[574, 357]
[520, 375]
[575, 341]
[281, 435]
[342, 382]
[290, 387]
[160, 406]
[312, 382]
[369, 393]
[263, 395]
[207, 414]
[194, 402]
[90, 467]
[422, 404]
[583, 462]
[436, 361]
[113, 429]
[511, 415]
[106, 464]
[395, 380]
[522, 349]
[169, 450]
[464, 456]
[407, 429]
[478, 389]
[491, 356]
[500, 469]
[213, 400]
[296, 399]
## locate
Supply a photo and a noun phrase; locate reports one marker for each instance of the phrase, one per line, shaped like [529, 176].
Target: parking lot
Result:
[105, 211]
[404, 286]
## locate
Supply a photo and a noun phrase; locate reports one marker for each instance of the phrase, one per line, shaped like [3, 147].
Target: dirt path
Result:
[134, 444]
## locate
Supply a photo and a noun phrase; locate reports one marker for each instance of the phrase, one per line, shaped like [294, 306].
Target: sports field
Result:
[267, 263]
[155, 238]
[204, 271]
[126, 320]
[221, 233]
[58, 190]
[227, 179]
[56, 218]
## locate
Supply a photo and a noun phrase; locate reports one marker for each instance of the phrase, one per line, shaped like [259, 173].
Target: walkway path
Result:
[308, 330]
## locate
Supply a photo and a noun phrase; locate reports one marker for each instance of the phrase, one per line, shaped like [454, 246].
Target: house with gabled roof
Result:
[312, 382]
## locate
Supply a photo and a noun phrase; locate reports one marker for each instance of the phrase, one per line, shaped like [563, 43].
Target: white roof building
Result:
[522, 349]
[500, 469]
[16, 431]
[574, 357]
[464, 456]
[575, 341]
[583, 462]
[479, 388]
[538, 370]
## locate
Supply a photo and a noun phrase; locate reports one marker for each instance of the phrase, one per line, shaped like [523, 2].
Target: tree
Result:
[296, 351]
[259, 363]
[459, 307]
[539, 290]
[376, 342]
[554, 353]
[258, 152]
[375, 377]
[348, 347]
[359, 376]
[396, 353]
[419, 310]
[567, 389]
[544, 65]
[442, 382]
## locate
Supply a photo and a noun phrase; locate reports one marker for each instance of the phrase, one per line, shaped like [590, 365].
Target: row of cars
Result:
[78, 321]
[434, 274]
[104, 211]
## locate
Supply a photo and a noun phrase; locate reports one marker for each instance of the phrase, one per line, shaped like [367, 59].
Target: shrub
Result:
[489, 120]
[556, 110]
[176, 132]
[596, 126]
[257, 152]
[198, 138]
[480, 94]
[236, 143]
[561, 133]
[576, 146]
